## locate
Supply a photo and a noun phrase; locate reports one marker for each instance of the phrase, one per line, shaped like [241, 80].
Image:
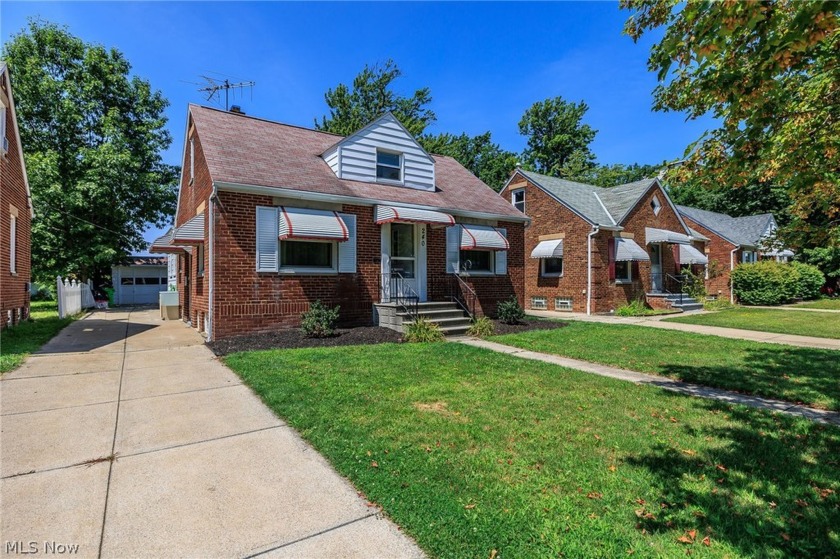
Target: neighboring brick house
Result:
[272, 217]
[732, 241]
[592, 249]
[16, 213]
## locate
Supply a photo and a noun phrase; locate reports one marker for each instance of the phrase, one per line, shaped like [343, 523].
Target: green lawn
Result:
[18, 342]
[789, 373]
[479, 454]
[824, 325]
[830, 304]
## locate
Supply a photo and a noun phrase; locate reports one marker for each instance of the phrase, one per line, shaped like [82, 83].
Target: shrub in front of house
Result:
[694, 285]
[810, 280]
[510, 312]
[636, 307]
[422, 331]
[319, 321]
[765, 283]
[481, 328]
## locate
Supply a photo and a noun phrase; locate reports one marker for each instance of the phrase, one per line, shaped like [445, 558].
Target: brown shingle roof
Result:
[245, 150]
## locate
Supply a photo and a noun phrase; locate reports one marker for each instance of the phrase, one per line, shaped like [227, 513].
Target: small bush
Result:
[481, 328]
[636, 307]
[811, 280]
[423, 331]
[765, 283]
[319, 321]
[510, 312]
[695, 284]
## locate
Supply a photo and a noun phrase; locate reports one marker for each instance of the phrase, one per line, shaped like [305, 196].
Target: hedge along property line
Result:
[772, 283]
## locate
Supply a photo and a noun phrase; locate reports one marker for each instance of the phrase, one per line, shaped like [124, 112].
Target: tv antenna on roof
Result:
[215, 86]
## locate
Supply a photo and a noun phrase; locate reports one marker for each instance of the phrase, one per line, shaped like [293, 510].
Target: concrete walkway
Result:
[124, 436]
[659, 322]
[769, 404]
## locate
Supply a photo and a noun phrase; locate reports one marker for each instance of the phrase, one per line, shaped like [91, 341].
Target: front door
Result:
[656, 267]
[406, 268]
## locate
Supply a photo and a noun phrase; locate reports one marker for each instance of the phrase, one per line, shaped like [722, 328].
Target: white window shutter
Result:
[501, 257]
[453, 249]
[347, 249]
[267, 241]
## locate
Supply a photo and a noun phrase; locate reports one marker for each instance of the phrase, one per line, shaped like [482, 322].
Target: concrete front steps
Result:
[449, 317]
[687, 304]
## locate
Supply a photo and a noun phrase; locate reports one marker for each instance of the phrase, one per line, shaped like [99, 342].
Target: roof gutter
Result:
[320, 197]
[211, 268]
[589, 237]
[732, 267]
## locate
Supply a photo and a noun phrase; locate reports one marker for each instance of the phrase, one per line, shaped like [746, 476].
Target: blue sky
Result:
[485, 63]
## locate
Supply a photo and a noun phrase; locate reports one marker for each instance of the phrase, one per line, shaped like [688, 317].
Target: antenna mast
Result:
[215, 86]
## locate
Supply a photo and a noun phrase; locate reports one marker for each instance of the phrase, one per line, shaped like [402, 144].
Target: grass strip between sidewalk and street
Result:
[480, 454]
[798, 375]
[802, 323]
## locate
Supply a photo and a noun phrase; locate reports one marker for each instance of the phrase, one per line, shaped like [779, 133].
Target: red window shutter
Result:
[675, 249]
[611, 251]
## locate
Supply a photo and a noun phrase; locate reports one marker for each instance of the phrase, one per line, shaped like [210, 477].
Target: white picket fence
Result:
[73, 296]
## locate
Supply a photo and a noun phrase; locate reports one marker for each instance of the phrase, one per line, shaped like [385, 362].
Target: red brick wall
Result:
[719, 253]
[14, 292]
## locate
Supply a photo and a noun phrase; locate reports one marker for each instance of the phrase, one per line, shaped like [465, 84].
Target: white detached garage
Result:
[140, 280]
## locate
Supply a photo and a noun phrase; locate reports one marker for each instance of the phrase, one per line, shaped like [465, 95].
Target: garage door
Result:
[141, 286]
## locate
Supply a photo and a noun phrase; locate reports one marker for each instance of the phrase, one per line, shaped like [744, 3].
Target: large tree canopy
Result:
[479, 154]
[92, 137]
[558, 141]
[370, 97]
[769, 72]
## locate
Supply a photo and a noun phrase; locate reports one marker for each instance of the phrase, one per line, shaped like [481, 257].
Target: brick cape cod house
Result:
[16, 213]
[272, 217]
[732, 241]
[592, 249]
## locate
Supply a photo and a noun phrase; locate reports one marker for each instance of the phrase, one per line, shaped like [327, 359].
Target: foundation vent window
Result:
[563, 304]
[539, 303]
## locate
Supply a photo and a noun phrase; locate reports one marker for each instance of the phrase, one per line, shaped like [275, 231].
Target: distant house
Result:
[273, 217]
[139, 280]
[592, 249]
[16, 213]
[732, 241]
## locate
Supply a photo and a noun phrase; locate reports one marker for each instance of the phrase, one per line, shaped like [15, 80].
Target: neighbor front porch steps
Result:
[449, 317]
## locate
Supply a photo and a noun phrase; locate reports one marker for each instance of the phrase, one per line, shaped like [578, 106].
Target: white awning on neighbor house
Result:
[388, 214]
[785, 252]
[664, 236]
[482, 237]
[628, 250]
[190, 232]
[548, 249]
[163, 244]
[308, 224]
[690, 255]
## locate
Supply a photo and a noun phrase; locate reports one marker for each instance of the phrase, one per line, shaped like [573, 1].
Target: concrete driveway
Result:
[124, 436]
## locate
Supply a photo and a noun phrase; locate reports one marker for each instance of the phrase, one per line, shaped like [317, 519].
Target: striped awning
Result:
[190, 232]
[690, 255]
[389, 214]
[784, 252]
[664, 236]
[163, 244]
[316, 225]
[628, 250]
[482, 237]
[548, 249]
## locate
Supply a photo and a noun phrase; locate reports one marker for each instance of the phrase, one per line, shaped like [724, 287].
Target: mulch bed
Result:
[294, 338]
[526, 325]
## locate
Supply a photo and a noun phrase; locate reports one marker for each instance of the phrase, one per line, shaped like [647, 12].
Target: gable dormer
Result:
[383, 152]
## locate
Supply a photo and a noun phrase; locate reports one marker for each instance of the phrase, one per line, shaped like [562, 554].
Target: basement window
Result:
[562, 303]
[539, 303]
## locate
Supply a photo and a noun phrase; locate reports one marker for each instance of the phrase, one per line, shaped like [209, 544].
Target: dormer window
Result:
[517, 198]
[655, 205]
[388, 166]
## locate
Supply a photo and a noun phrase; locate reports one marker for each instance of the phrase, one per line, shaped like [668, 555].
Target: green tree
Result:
[370, 97]
[618, 173]
[485, 159]
[769, 72]
[92, 137]
[558, 141]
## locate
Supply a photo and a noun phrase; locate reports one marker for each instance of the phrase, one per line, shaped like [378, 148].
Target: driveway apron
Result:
[124, 436]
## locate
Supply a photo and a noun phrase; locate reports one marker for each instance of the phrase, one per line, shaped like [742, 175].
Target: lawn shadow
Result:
[770, 488]
[798, 375]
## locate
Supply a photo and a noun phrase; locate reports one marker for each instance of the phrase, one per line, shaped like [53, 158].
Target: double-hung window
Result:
[517, 198]
[551, 267]
[13, 244]
[624, 271]
[388, 166]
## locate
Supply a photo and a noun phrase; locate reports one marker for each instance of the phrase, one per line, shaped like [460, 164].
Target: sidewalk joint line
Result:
[210, 440]
[310, 536]
[183, 392]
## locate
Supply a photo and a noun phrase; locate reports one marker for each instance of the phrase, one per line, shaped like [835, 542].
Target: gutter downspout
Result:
[589, 237]
[211, 269]
[732, 267]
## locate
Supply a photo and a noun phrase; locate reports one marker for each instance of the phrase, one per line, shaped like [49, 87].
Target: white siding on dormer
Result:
[357, 155]
[331, 157]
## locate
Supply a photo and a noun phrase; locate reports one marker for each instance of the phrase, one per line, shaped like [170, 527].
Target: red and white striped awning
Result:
[388, 214]
[313, 225]
[190, 232]
[482, 237]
